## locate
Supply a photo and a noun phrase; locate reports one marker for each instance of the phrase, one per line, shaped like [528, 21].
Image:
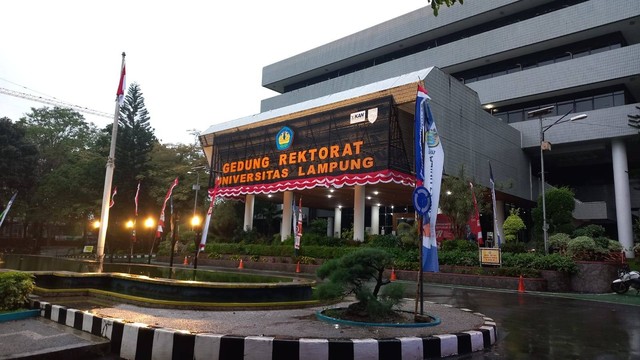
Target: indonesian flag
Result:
[122, 85]
[164, 205]
[296, 243]
[474, 222]
[135, 200]
[213, 193]
[113, 197]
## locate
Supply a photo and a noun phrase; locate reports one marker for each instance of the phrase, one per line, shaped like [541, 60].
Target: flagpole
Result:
[108, 179]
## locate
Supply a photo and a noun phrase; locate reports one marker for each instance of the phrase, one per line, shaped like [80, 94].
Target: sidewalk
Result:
[38, 338]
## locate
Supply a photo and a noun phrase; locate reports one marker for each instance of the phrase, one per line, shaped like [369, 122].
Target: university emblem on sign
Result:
[422, 200]
[284, 138]
[372, 115]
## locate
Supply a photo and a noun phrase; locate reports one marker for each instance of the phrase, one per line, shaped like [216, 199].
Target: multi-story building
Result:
[497, 62]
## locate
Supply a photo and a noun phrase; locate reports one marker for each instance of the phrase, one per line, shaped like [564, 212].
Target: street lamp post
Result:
[545, 146]
[149, 223]
[130, 225]
[195, 223]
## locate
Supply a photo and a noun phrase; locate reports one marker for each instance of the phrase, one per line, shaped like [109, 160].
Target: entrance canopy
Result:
[321, 148]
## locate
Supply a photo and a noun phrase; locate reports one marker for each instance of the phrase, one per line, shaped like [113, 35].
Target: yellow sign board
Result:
[88, 249]
[490, 256]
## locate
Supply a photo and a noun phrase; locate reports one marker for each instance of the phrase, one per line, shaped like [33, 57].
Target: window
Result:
[515, 116]
[564, 107]
[601, 102]
[618, 98]
[584, 104]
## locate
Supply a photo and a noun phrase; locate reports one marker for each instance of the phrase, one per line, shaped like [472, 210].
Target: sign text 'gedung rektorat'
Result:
[314, 161]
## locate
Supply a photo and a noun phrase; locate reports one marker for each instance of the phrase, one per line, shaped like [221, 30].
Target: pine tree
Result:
[134, 144]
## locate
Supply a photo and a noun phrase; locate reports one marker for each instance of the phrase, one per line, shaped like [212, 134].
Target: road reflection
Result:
[542, 327]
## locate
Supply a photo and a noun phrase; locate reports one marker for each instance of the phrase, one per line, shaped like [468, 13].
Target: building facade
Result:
[487, 65]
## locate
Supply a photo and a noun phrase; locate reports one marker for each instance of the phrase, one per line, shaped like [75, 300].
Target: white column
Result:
[375, 220]
[249, 204]
[623, 197]
[285, 226]
[329, 227]
[358, 213]
[337, 222]
[500, 220]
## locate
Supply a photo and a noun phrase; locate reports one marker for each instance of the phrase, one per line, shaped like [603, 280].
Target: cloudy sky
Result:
[198, 63]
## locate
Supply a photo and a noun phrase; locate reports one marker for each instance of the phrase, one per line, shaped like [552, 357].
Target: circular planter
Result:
[322, 317]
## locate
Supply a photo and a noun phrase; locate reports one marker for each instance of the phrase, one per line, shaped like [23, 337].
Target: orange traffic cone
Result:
[298, 267]
[521, 285]
[393, 275]
[186, 261]
[241, 266]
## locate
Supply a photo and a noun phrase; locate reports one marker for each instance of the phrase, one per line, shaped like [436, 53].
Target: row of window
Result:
[516, 66]
[602, 101]
[442, 40]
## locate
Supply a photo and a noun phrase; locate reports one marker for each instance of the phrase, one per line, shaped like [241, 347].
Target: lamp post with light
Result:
[544, 145]
[196, 223]
[149, 223]
[131, 225]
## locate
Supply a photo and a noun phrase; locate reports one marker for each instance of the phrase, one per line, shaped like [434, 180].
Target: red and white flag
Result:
[213, 193]
[474, 222]
[113, 196]
[164, 205]
[298, 234]
[121, 85]
[136, 198]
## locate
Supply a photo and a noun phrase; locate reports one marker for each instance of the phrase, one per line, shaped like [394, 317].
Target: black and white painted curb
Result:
[140, 341]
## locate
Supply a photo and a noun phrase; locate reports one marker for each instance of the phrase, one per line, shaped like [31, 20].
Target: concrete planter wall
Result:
[593, 277]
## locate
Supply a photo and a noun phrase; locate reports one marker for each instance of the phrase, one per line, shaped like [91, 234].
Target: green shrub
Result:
[459, 258]
[614, 246]
[591, 230]
[462, 245]
[584, 248]
[602, 242]
[15, 288]
[558, 243]
[384, 241]
[514, 247]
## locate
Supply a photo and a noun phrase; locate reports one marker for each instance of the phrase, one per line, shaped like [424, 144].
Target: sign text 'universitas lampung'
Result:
[323, 160]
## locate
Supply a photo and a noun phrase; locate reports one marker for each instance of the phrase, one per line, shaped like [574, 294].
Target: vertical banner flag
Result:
[113, 197]
[429, 167]
[493, 200]
[164, 205]
[136, 198]
[474, 222]
[205, 229]
[294, 219]
[121, 85]
[298, 233]
[6, 210]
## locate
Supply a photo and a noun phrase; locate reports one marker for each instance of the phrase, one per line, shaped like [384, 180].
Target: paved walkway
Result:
[38, 338]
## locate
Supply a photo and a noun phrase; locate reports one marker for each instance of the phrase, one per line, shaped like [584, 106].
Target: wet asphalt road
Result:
[543, 327]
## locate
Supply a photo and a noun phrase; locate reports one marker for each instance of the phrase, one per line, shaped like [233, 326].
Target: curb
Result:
[136, 340]
[19, 315]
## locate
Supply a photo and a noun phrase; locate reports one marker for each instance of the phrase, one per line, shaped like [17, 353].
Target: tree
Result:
[67, 172]
[350, 275]
[456, 201]
[512, 225]
[18, 160]
[559, 208]
[134, 145]
[435, 4]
